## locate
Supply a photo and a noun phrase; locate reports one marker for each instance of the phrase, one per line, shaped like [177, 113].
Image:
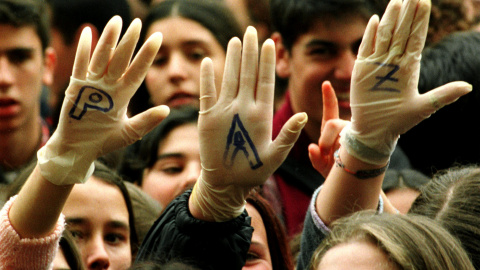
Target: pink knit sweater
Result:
[17, 253]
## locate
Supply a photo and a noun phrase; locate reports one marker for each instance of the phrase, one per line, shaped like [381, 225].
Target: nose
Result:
[344, 68]
[6, 73]
[192, 174]
[96, 254]
[177, 68]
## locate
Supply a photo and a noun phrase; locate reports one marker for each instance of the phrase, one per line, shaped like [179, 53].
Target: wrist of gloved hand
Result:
[219, 204]
[65, 167]
[364, 150]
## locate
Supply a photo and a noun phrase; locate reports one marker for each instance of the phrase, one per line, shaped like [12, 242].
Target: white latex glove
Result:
[384, 96]
[236, 147]
[93, 119]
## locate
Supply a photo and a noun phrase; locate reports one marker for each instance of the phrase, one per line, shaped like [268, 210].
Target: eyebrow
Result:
[76, 221]
[18, 50]
[112, 224]
[118, 225]
[318, 42]
[170, 155]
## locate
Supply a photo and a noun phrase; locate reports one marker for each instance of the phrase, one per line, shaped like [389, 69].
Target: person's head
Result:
[402, 187]
[385, 241]
[145, 209]
[68, 18]
[269, 248]
[100, 217]
[166, 161]
[446, 17]
[192, 30]
[452, 198]
[317, 41]
[26, 64]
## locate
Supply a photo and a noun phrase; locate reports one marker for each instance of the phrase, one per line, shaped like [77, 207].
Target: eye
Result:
[159, 60]
[77, 235]
[252, 256]
[115, 238]
[356, 46]
[197, 54]
[172, 169]
[323, 52]
[19, 56]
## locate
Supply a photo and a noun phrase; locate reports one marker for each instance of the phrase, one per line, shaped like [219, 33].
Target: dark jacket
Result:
[177, 235]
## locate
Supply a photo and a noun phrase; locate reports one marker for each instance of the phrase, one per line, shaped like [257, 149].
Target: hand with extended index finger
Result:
[236, 149]
[321, 155]
[384, 96]
[93, 118]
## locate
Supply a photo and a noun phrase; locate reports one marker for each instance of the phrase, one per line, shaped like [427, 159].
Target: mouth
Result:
[8, 107]
[181, 99]
[343, 99]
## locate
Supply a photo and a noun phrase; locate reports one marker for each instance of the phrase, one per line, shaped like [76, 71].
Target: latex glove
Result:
[384, 96]
[236, 148]
[93, 119]
[321, 154]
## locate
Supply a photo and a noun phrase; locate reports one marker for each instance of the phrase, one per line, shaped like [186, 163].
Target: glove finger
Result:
[82, 57]
[143, 123]
[249, 66]
[435, 99]
[418, 35]
[287, 137]
[266, 76]
[330, 103]
[105, 48]
[124, 51]
[368, 40]
[208, 94]
[403, 27]
[232, 70]
[142, 62]
[386, 27]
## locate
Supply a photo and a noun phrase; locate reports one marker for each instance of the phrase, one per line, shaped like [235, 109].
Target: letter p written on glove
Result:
[93, 120]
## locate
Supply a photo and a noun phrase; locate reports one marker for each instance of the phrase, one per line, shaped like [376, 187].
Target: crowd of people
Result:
[218, 134]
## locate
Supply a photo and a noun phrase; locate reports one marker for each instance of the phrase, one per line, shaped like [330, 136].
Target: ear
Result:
[282, 55]
[50, 60]
[95, 34]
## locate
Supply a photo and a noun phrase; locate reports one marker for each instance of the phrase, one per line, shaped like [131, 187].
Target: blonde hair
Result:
[409, 241]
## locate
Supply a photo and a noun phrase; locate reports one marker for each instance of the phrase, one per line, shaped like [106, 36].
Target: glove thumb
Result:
[441, 96]
[143, 123]
[287, 137]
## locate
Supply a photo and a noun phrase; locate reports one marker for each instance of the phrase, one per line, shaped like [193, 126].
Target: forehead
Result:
[181, 29]
[181, 139]
[19, 37]
[338, 31]
[94, 197]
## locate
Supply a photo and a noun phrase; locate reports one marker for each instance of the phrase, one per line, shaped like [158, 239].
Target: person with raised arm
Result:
[385, 103]
[93, 122]
[209, 226]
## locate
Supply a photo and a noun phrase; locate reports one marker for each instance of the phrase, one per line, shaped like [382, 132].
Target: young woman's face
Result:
[258, 257]
[97, 216]
[174, 77]
[177, 167]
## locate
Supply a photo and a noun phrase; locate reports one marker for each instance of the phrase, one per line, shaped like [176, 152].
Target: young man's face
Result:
[326, 52]
[23, 69]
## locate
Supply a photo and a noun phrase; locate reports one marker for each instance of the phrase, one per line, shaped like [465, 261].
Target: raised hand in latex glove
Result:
[236, 148]
[93, 119]
[384, 97]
